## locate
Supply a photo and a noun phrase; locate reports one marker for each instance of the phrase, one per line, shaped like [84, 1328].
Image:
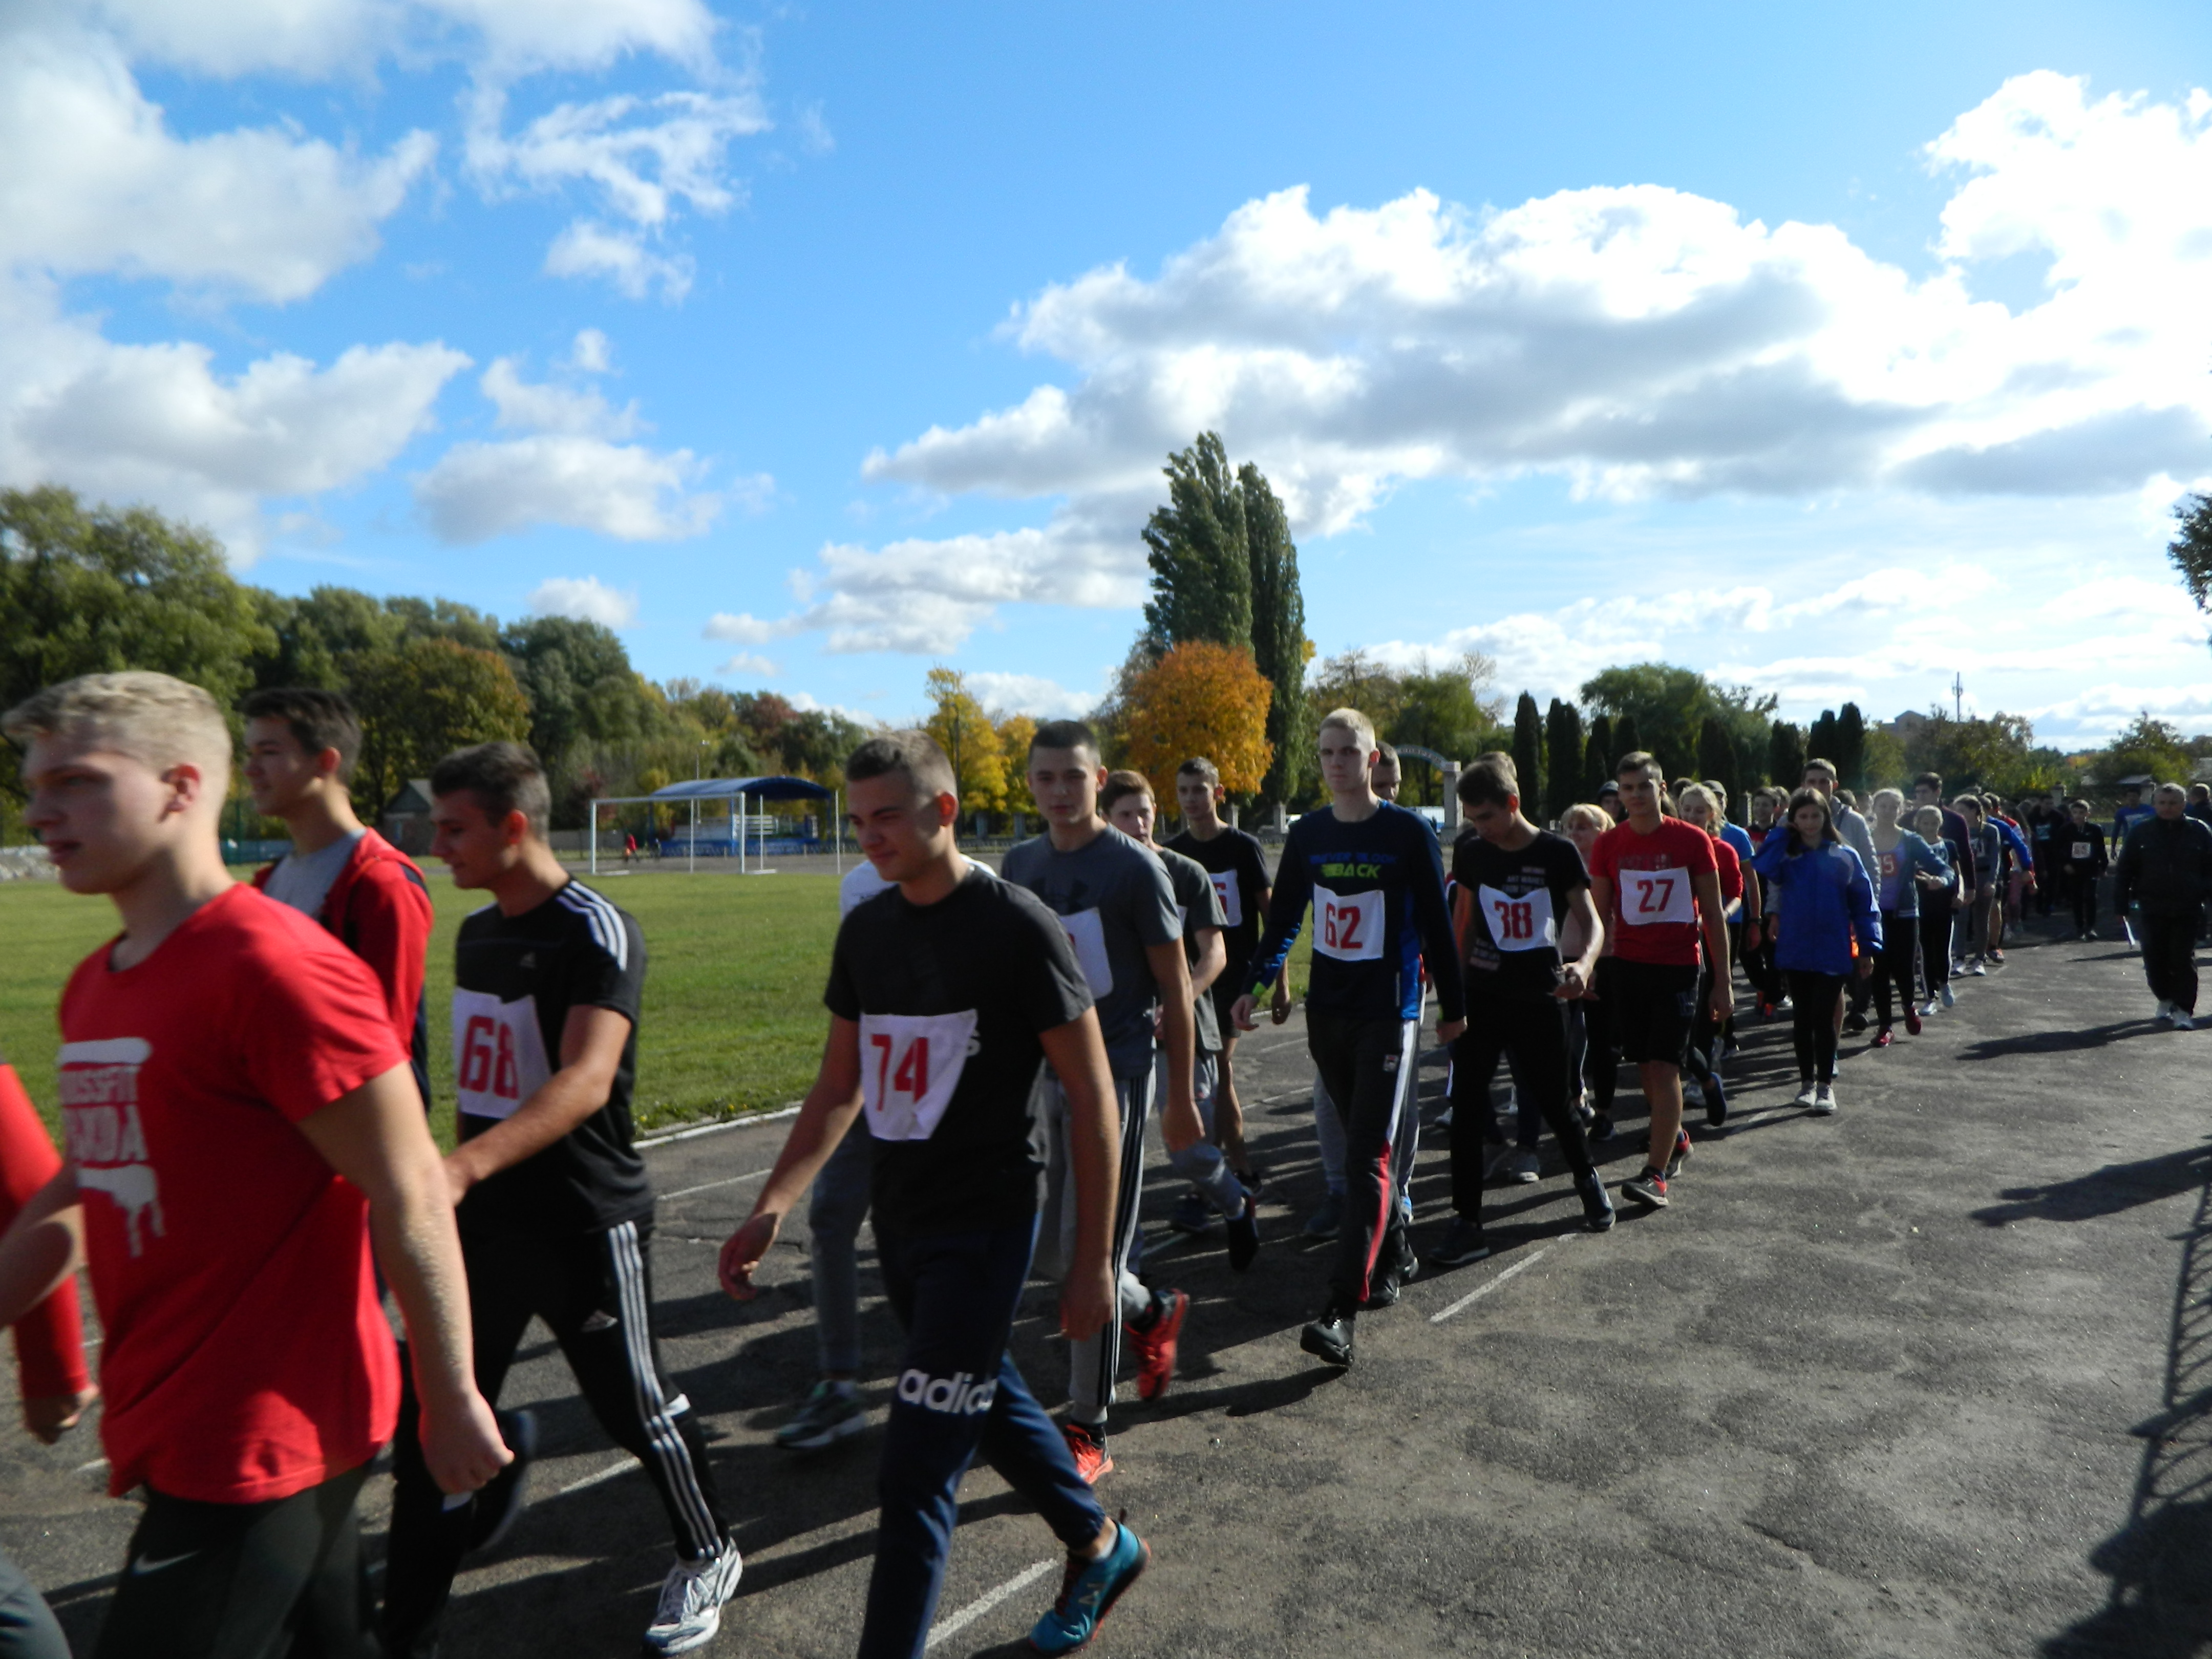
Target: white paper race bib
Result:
[1525, 923]
[910, 1064]
[1088, 935]
[1889, 865]
[1231, 896]
[1348, 926]
[499, 1054]
[2081, 849]
[1649, 897]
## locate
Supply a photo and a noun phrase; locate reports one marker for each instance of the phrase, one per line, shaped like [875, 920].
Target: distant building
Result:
[1906, 725]
[407, 818]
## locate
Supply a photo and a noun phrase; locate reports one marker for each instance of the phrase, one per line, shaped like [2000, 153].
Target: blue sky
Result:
[811, 348]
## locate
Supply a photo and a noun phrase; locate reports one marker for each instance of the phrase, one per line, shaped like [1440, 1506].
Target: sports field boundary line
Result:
[984, 1603]
[709, 1186]
[1481, 1290]
[717, 1126]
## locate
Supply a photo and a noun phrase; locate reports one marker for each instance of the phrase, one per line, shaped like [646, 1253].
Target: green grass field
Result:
[734, 1020]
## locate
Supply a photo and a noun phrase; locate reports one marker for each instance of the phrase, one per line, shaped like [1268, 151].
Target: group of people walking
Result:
[248, 1166]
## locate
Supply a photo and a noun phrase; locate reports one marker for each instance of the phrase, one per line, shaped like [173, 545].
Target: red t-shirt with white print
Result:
[246, 1355]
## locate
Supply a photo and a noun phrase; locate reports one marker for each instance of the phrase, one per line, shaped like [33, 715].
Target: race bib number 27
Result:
[1651, 896]
[910, 1064]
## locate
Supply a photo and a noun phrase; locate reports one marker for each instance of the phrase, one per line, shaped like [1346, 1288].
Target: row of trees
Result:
[92, 589]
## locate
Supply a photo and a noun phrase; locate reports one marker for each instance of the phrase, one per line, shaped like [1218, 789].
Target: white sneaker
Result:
[2182, 1022]
[1807, 1094]
[1693, 1093]
[1977, 969]
[692, 1598]
[1929, 1007]
[1824, 1100]
[1521, 1164]
[2165, 1014]
[1949, 1000]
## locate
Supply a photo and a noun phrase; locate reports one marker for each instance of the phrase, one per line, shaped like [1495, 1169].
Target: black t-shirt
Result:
[1197, 902]
[1239, 872]
[950, 998]
[515, 978]
[1521, 904]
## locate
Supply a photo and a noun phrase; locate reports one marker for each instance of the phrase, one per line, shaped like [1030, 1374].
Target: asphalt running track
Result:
[1932, 1377]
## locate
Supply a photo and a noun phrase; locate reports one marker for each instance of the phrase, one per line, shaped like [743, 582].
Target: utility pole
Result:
[1958, 698]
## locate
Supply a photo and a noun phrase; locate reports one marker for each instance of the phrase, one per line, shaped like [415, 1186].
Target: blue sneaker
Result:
[1089, 1592]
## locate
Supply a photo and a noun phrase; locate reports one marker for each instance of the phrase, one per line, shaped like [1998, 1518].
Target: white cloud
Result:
[584, 599]
[1029, 694]
[589, 249]
[591, 353]
[554, 408]
[476, 491]
[1635, 341]
[747, 665]
[743, 629]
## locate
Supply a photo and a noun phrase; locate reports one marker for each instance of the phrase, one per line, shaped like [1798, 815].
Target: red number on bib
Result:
[504, 1081]
[476, 1055]
[1340, 928]
[911, 1078]
[1520, 920]
[1659, 887]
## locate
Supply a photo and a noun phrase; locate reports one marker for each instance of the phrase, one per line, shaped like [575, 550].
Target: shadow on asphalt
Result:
[2104, 1192]
[2159, 1561]
[2050, 1043]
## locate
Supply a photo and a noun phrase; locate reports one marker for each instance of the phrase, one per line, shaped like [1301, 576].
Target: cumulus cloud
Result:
[1635, 341]
[585, 248]
[479, 491]
[591, 354]
[548, 408]
[748, 664]
[584, 599]
[1030, 694]
[745, 629]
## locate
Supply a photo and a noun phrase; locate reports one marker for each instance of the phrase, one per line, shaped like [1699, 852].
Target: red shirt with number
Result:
[1655, 910]
[246, 1353]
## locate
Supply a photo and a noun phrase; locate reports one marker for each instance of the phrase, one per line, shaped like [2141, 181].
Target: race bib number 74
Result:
[1651, 896]
[1348, 926]
[910, 1064]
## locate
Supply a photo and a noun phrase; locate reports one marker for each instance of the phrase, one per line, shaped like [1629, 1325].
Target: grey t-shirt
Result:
[1112, 900]
[1198, 904]
[303, 880]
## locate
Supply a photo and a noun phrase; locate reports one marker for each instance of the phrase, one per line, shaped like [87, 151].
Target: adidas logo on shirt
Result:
[954, 1395]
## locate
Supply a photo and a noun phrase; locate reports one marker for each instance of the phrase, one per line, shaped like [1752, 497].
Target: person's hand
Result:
[1866, 967]
[1239, 1014]
[1448, 1030]
[1181, 1126]
[459, 1178]
[1722, 1001]
[461, 1445]
[1751, 936]
[49, 1417]
[1087, 1301]
[1279, 1007]
[742, 1254]
[1572, 987]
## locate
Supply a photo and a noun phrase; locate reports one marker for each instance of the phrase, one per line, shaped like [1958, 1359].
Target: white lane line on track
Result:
[1481, 1290]
[87, 1468]
[709, 1186]
[984, 1603]
[598, 1475]
[791, 1110]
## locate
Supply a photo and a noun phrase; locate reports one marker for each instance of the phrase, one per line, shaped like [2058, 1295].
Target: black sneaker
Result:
[493, 1507]
[1193, 1217]
[1597, 1203]
[1244, 1236]
[1600, 1127]
[1716, 1102]
[1397, 1269]
[1329, 1339]
[1252, 1180]
[1463, 1242]
[1854, 1022]
[1650, 1187]
[1681, 1153]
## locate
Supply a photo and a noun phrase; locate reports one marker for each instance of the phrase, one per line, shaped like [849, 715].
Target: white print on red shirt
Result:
[499, 1053]
[1088, 935]
[1524, 922]
[106, 1141]
[1650, 896]
[1348, 926]
[910, 1064]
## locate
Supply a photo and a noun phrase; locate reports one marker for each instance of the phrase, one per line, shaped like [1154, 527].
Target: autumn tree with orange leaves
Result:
[1199, 699]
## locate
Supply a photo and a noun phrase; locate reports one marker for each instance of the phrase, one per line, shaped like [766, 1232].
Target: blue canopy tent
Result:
[741, 835]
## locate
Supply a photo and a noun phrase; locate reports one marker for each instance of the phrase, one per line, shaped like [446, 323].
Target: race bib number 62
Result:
[910, 1064]
[1348, 926]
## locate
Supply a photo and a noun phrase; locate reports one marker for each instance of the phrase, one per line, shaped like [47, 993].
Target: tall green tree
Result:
[1195, 545]
[1529, 751]
[2145, 746]
[1716, 763]
[2192, 548]
[1439, 708]
[1626, 740]
[1562, 757]
[583, 694]
[1279, 645]
[422, 702]
[1851, 756]
[1670, 705]
[1821, 741]
[1785, 755]
[1598, 757]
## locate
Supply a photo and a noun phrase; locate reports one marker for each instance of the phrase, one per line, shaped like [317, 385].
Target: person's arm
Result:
[1753, 904]
[1766, 862]
[1865, 915]
[377, 1137]
[1287, 910]
[1180, 1125]
[1077, 1054]
[1706, 885]
[824, 1118]
[51, 1373]
[1462, 919]
[592, 1043]
[2124, 874]
[1213, 958]
[388, 923]
[42, 1246]
[1439, 950]
[1575, 976]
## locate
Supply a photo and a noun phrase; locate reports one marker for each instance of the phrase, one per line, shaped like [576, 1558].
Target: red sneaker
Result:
[1911, 1022]
[1089, 1451]
[1884, 1037]
[1156, 1344]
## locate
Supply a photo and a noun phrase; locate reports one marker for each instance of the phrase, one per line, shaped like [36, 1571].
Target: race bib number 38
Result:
[1525, 923]
[1650, 896]
[910, 1064]
[498, 1056]
[1348, 926]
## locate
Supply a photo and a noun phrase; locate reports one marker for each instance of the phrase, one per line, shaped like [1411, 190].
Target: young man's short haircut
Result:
[2071, 805]
[2166, 789]
[1974, 801]
[1351, 720]
[319, 720]
[1386, 755]
[1489, 780]
[1064, 734]
[1929, 780]
[154, 718]
[1587, 812]
[1717, 790]
[914, 756]
[1199, 767]
[501, 778]
[1119, 785]
[1827, 769]
[1639, 761]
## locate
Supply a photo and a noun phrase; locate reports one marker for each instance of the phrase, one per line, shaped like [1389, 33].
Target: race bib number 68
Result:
[910, 1064]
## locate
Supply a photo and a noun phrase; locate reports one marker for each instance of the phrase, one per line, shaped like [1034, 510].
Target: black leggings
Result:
[1892, 974]
[1813, 1023]
[1532, 1029]
[1934, 942]
[2082, 886]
